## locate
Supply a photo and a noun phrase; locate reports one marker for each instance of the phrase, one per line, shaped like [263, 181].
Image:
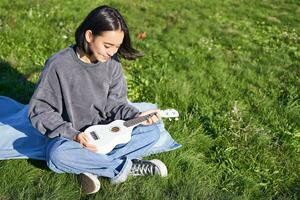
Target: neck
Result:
[85, 58]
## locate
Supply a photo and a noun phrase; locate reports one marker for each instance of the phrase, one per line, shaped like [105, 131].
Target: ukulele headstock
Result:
[169, 113]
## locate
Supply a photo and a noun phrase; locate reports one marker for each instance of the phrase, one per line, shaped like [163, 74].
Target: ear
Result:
[89, 36]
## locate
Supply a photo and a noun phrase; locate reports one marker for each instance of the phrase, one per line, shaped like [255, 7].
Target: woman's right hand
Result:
[83, 139]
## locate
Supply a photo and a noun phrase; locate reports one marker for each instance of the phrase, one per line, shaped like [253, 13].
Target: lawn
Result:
[231, 68]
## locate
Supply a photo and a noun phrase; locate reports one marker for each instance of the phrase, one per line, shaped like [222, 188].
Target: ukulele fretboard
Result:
[137, 120]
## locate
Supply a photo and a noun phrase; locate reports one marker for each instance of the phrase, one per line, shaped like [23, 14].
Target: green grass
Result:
[231, 68]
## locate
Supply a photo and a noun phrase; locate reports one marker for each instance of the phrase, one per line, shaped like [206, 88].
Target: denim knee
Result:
[152, 132]
[156, 133]
[56, 156]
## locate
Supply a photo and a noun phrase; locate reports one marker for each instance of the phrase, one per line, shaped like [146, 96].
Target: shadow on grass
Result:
[14, 85]
[208, 126]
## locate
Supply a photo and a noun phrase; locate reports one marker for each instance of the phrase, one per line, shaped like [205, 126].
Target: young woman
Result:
[80, 86]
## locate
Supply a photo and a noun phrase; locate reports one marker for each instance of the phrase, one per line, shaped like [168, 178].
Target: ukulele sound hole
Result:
[115, 129]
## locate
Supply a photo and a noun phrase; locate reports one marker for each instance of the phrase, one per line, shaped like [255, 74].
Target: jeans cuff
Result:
[123, 174]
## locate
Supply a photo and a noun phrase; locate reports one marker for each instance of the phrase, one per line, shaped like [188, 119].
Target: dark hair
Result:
[105, 18]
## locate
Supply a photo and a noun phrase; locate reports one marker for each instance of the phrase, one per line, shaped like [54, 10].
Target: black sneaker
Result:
[148, 167]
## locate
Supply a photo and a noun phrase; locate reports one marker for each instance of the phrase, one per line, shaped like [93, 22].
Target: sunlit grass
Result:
[230, 68]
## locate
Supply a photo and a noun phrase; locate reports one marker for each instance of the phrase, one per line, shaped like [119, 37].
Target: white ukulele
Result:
[106, 137]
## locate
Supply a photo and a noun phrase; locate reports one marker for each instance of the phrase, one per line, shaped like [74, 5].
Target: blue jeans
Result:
[18, 139]
[63, 155]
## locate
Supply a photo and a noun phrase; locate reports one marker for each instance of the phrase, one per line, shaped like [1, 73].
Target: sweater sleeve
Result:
[45, 107]
[117, 104]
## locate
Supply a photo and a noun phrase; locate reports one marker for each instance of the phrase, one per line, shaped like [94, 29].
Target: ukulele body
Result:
[106, 137]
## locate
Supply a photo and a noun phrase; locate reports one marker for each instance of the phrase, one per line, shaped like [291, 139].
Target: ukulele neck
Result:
[138, 120]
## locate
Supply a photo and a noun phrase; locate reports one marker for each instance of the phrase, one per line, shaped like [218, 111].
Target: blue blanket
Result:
[19, 139]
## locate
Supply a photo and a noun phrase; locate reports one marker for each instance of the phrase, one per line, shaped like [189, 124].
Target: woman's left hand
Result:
[155, 118]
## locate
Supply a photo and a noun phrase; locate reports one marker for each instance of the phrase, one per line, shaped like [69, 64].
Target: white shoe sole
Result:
[161, 166]
[89, 183]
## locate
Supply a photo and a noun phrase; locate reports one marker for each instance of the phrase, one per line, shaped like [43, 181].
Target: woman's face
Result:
[105, 45]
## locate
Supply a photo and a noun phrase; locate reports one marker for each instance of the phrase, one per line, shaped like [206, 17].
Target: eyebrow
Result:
[112, 44]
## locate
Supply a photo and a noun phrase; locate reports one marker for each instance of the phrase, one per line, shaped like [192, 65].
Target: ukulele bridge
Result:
[94, 135]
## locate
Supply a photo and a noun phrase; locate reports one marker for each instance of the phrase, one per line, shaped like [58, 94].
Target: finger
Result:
[84, 135]
[154, 119]
[91, 148]
[158, 116]
[86, 138]
[89, 145]
[150, 121]
[147, 122]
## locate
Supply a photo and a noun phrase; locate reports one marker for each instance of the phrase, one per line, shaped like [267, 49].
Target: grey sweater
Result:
[72, 95]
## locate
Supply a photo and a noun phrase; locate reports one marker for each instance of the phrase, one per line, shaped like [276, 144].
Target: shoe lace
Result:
[143, 168]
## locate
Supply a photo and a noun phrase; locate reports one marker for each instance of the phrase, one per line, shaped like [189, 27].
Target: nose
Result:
[110, 54]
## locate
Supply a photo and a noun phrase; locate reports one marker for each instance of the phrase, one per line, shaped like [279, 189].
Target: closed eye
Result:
[108, 45]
